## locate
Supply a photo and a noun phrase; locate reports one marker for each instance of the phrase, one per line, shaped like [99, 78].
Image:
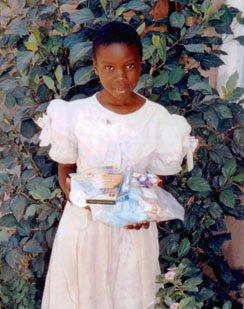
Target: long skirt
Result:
[96, 266]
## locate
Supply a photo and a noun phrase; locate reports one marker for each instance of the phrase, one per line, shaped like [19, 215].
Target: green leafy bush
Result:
[46, 53]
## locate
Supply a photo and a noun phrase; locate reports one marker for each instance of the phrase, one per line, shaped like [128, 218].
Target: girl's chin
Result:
[125, 93]
[118, 94]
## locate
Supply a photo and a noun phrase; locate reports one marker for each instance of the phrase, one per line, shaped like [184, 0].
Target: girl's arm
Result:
[63, 177]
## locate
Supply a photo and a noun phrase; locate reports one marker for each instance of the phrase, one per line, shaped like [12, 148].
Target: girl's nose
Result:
[120, 73]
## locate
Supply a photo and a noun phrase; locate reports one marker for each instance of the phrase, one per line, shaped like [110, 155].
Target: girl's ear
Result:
[94, 65]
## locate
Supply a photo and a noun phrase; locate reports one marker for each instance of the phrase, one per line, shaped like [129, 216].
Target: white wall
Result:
[234, 61]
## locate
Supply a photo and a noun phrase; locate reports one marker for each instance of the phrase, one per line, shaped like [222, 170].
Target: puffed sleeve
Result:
[174, 143]
[57, 131]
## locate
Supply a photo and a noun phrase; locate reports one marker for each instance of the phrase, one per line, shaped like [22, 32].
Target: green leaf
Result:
[232, 82]
[8, 162]
[23, 228]
[32, 246]
[28, 128]
[136, 5]
[141, 28]
[208, 222]
[18, 205]
[229, 168]
[31, 44]
[185, 302]
[66, 82]
[148, 51]
[19, 28]
[175, 75]
[155, 40]
[48, 9]
[210, 60]
[120, 11]
[238, 139]
[50, 236]
[161, 80]
[82, 16]
[4, 178]
[223, 111]
[8, 84]
[83, 75]
[206, 5]
[227, 17]
[199, 184]
[239, 178]
[60, 2]
[227, 305]
[177, 20]
[59, 74]
[202, 86]
[8, 220]
[40, 193]
[49, 82]
[228, 198]
[174, 95]
[211, 117]
[62, 28]
[4, 236]
[23, 60]
[240, 39]
[220, 153]
[38, 266]
[194, 48]
[222, 28]
[193, 281]
[13, 258]
[205, 294]
[184, 247]
[7, 273]
[235, 95]
[10, 100]
[162, 49]
[103, 3]
[32, 209]
[81, 51]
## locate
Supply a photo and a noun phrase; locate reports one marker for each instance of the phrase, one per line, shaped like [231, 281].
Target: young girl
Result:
[94, 265]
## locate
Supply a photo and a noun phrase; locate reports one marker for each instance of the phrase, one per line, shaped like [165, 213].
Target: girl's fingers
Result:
[68, 183]
[145, 225]
[129, 227]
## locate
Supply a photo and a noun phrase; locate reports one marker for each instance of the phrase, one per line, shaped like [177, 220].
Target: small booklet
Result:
[101, 185]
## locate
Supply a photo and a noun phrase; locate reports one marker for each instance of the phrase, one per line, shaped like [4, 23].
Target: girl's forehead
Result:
[117, 51]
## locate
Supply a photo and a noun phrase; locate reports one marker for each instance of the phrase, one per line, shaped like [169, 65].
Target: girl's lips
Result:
[120, 89]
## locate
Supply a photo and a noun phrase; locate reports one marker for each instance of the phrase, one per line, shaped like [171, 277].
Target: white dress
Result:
[94, 265]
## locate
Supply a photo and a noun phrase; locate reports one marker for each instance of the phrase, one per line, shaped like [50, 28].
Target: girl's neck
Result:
[121, 106]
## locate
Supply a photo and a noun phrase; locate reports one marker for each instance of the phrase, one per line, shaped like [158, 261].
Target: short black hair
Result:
[116, 32]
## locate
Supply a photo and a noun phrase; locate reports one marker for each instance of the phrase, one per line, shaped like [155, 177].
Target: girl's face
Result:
[118, 66]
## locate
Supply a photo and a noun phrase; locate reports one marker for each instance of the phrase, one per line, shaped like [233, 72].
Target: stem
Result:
[111, 9]
[18, 192]
[28, 153]
[153, 68]
[32, 161]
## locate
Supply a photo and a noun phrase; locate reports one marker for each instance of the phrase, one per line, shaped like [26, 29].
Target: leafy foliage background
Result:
[46, 53]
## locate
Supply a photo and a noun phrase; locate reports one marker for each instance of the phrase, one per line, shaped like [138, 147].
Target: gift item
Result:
[120, 197]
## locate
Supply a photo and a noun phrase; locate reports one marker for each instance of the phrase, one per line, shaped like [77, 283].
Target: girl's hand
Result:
[138, 226]
[67, 187]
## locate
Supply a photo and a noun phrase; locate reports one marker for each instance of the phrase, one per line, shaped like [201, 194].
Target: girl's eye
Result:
[108, 68]
[130, 66]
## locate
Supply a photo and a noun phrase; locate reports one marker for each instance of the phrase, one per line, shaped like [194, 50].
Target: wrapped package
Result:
[123, 197]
